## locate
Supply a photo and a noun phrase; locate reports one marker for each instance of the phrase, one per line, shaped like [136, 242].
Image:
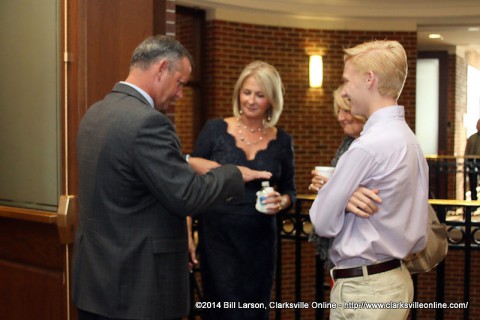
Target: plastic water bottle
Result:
[262, 195]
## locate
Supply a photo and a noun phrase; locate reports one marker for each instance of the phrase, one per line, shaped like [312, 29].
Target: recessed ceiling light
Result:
[474, 29]
[435, 36]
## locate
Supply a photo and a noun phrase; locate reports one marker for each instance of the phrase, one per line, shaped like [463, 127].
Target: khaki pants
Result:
[359, 297]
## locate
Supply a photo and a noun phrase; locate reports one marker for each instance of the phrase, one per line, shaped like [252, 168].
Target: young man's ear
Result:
[370, 80]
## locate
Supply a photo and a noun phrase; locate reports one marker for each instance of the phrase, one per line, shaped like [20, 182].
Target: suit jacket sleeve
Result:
[160, 164]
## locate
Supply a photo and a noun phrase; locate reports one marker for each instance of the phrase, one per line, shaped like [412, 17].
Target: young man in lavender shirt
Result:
[368, 248]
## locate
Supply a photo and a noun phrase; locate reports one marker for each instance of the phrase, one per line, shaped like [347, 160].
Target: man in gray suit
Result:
[135, 191]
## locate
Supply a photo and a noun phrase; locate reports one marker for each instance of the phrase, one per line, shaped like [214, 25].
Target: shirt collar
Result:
[143, 93]
[384, 113]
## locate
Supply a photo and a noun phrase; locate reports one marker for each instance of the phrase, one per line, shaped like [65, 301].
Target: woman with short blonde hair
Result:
[269, 78]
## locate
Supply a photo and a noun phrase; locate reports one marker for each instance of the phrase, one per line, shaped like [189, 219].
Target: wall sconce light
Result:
[316, 71]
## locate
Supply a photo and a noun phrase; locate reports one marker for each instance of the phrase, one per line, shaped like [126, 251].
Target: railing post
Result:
[468, 252]
[298, 257]
[278, 272]
[440, 269]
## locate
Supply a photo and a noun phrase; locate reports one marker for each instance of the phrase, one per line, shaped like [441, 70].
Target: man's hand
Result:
[363, 202]
[249, 174]
[201, 165]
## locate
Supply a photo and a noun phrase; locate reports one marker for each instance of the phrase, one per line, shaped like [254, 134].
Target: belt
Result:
[371, 269]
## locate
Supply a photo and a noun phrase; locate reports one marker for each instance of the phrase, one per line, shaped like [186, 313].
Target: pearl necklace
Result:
[262, 131]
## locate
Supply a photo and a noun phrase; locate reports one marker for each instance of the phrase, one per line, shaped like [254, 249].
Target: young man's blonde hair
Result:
[387, 60]
[269, 79]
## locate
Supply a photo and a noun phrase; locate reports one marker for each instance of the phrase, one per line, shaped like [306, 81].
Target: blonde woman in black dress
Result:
[237, 243]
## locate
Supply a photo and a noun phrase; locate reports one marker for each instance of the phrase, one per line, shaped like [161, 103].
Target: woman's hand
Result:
[318, 181]
[191, 245]
[275, 202]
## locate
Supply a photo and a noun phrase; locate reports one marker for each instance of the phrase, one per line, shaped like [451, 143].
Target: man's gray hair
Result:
[159, 47]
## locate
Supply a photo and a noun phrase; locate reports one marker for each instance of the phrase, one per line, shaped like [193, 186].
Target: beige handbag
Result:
[436, 249]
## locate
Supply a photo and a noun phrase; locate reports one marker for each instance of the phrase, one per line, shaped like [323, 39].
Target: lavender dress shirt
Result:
[387, 157]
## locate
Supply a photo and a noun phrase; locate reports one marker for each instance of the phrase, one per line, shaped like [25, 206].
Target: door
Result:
[35, 250]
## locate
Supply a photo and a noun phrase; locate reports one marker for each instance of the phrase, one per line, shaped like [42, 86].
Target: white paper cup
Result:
[327, 172]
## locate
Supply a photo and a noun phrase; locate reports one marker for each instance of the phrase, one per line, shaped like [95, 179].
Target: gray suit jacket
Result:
[135, 190]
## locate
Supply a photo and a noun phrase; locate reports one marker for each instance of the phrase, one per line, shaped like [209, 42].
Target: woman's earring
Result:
[269, 115]
[240, 111]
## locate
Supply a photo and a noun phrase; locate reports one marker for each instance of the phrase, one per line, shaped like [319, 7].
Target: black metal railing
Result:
[453, 177]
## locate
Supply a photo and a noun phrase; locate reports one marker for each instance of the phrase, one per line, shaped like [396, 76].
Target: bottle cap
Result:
[265, 184]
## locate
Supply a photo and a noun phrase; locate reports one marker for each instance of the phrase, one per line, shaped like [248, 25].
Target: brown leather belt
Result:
[371, 269]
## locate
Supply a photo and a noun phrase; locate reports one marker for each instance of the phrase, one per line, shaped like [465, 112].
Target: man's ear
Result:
[161, 66]
[160, 69]
[370, 79]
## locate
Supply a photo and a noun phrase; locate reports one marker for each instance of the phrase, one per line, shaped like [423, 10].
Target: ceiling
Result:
[457, 21]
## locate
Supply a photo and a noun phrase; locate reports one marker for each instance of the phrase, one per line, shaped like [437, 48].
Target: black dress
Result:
[237, 246]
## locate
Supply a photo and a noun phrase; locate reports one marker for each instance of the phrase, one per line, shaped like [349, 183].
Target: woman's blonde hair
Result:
[387, 60]
[269, 79]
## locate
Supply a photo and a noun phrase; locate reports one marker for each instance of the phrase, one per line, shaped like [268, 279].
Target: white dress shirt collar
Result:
[143, 93]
